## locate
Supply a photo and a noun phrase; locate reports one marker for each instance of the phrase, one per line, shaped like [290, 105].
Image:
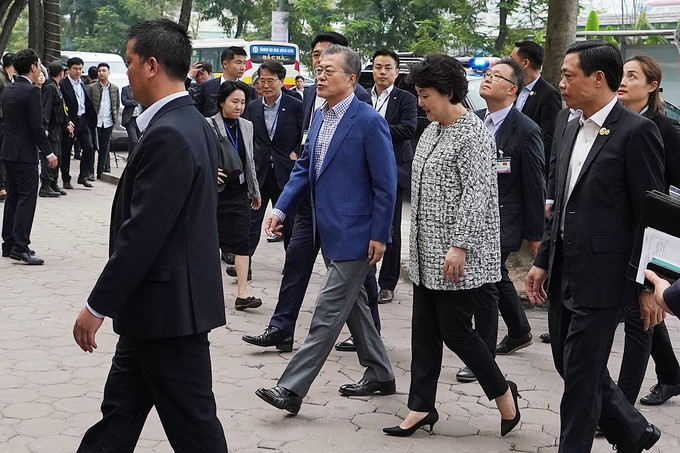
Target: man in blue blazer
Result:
[24, 136]
[277, 125]
[605, 163]
[521, 198]
[162, 284]
[348, 168]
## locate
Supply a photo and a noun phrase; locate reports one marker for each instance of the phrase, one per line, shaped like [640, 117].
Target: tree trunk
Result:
[503, 9]
[11, 19]
[185, 13]
[560, 32]
[52, 38]
[35, 26]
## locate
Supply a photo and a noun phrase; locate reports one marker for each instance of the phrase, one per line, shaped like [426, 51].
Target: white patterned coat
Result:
[454, 191]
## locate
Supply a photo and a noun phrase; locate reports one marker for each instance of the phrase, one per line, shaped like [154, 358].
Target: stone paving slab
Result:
[50, 391]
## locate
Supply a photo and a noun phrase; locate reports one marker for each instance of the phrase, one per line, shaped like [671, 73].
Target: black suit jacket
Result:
[72, 103]
[602, 212]
[129, 105]
[286, 138]
[542, 107]
[670, 134]
[163, 277]
[402, 117]
[521, 193]
[24, 134]
[310, 100]
[206, 94]
[560, 125]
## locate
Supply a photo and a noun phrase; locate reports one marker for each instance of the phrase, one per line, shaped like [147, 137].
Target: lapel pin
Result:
[531, 93]
[604, 131]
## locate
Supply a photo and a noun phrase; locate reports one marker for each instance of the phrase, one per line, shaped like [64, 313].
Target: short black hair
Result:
[92, 72]
[229, 87]
[331, 37]
[531, 51]
[596, 55]
[56, 68]
[106, 65]
[298, 77]
[8, 59]
[230, 52]
[517, 74]
[386, 53]
[206, 66]
[167, 41]
[24, 59]
[273, 67]
[443, 73]
[74, 61]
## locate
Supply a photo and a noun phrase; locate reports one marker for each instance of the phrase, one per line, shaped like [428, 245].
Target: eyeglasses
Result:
[268, 81]
[496, 77]
[328, 71]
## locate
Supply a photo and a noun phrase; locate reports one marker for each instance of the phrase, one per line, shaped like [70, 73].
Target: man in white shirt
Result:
[106, 99]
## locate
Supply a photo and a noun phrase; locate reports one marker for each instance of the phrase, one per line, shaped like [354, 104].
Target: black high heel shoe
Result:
[430, 419]
[509, 425]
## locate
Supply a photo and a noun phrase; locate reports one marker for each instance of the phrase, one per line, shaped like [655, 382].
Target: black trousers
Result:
[83, 134]
[492, 297]
[22, 195]
[445, 317]
[581, 340]
[172, 374]
[102, 146]
[638, 346]
[269, 191]
[133, 133]
[50, 176]
[391, 262]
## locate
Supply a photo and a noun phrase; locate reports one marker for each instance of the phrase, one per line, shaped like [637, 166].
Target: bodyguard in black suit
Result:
[538, 100]
[161, 285]
[233, 66]
[82, 114]
[398, 107]
[277, 126]
[608, 159]
[24, 138]
[521, 198]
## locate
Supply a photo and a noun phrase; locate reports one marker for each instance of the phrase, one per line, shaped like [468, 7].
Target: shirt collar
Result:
[601, 115]
[145, 117]
[341, 107]
[386, 91]
[530, 86]
[26, 78]
[498, 116]
[74, 82]
[275, 106]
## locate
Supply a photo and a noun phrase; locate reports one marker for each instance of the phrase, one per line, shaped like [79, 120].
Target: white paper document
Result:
[657, 244]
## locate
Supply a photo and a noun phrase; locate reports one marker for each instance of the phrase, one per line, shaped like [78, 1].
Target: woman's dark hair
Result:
[652, 72]
[443, 73]
[229, 87]
[595, 55]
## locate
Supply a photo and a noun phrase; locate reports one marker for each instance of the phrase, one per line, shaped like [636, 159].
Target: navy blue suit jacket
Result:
[354, 196]
[402, 117]
[286, 138]
[163, 276]
[521, 193]
[205, 97]
[24, 134]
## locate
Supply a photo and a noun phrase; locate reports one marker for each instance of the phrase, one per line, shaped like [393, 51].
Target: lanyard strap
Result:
[231, 137]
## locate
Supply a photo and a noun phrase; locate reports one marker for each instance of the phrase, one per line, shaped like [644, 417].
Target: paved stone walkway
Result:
[50, 391]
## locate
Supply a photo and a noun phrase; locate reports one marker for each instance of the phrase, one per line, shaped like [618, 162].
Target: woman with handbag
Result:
[236, 182]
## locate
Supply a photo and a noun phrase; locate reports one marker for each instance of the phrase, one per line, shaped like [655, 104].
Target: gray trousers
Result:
[342, 298]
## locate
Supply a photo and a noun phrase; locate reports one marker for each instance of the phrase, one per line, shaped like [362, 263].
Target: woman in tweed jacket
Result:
[454, 245]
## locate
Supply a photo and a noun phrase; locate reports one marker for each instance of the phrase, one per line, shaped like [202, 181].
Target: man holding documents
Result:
[606, 161]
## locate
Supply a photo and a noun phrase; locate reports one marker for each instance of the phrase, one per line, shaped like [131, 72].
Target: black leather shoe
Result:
[651, 436]
[26, 258]
[90, 178]
[67, 185]
[55, 187]
[83, 182]
[659, 394]
[346, 346]
[365, 387]
[46, 191]
[510, 345]
[385, 296]
[272, 336]
[281, 398]
[248, 302]
[545, 337]
[231, 271]
[465, 375]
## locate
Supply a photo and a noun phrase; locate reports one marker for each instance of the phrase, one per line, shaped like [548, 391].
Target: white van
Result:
[118, 77]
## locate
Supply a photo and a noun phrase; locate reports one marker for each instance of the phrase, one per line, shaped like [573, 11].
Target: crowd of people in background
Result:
[336, 163]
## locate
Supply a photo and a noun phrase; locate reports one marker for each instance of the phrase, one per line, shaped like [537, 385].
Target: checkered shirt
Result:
[331, 118]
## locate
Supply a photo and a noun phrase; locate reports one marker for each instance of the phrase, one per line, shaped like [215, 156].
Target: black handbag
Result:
[228, 160]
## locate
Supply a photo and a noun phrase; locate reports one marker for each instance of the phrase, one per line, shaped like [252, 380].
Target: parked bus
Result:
[287, 54]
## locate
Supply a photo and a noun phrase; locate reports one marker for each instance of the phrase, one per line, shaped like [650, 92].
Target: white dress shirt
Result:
[380, 102]
[104, 115]
[525, 93]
